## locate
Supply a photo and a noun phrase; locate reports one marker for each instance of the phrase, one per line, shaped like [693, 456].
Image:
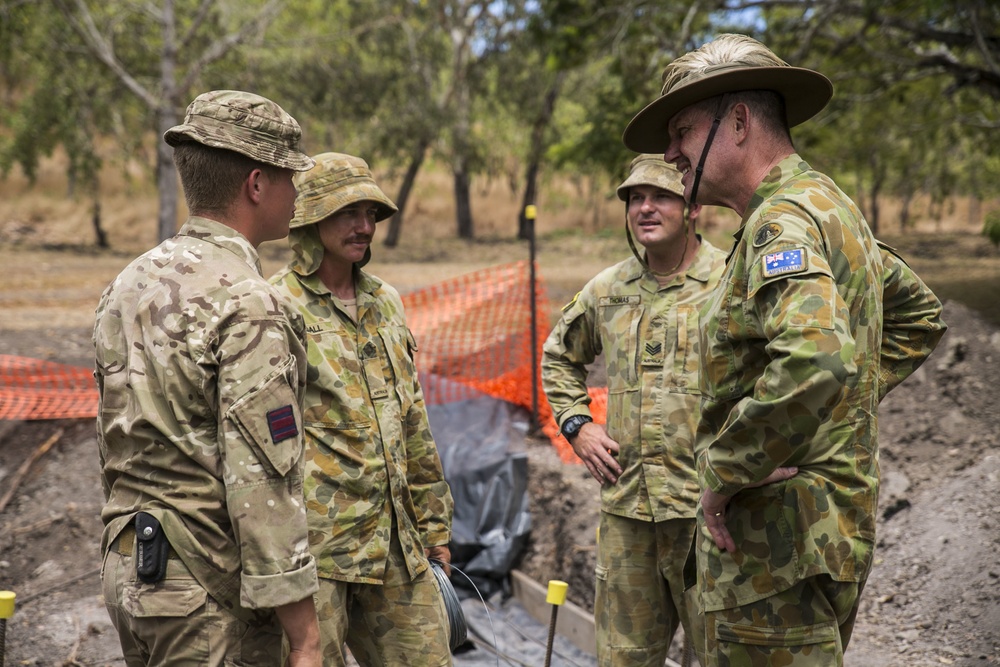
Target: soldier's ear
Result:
[254, 185]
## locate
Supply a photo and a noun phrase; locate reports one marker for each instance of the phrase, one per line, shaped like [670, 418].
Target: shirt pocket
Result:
[684, 367]
[399, 346]
[270, 418]
[619, 320]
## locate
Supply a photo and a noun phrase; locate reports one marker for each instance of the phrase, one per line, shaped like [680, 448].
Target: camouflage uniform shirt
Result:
[200, 366]
[911, 321]
[370, 457]
[649, 336]
[790, 354]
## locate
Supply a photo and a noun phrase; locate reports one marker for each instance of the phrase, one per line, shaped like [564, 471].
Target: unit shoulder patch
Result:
[766, 233]
[281, 423]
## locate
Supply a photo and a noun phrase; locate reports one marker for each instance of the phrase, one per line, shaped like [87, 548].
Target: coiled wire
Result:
[458, 630]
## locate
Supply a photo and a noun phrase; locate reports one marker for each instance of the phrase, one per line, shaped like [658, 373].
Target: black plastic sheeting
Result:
[481, 444]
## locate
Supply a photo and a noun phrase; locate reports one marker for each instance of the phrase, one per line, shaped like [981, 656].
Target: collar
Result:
[700, 269]
[223, 236]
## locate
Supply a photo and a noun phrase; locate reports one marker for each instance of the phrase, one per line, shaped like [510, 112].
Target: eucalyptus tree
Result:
[369, 78]
[56, 96]
[917, 82]
[159, 51]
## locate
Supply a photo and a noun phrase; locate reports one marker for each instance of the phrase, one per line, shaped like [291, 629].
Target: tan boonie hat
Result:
[728, 64]
[336, 181]
[651, 169]
[245, 123]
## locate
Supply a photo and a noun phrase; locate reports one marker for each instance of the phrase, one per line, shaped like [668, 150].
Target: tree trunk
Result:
[396, 221]
[166, 180]
[877, 178]
[99, 235]
[463, 202]
[904, 212]
[535, 154]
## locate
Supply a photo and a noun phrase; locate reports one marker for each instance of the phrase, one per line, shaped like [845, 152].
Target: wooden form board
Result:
[572, 622]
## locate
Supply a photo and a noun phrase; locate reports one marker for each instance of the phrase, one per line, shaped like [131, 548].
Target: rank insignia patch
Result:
[786, 261]
[767, 233]
[282, 424]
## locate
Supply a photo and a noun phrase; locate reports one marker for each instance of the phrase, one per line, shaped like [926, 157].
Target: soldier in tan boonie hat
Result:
[245, 123]
[200, 366]
[378, 506]
[336, 181]
[651, 169]
[641, 314]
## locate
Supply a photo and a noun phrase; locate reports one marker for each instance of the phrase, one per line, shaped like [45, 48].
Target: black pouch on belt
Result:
[152, 549]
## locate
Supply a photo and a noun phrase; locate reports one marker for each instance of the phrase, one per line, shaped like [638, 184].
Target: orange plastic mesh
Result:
[38, 389]
[474, 331]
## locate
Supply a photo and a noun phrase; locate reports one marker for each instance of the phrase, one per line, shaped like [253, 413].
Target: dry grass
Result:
[54, 274]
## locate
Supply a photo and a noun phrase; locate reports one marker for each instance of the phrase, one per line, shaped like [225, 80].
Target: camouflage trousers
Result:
[403, 621]
[640, 598]
[175, 622]
[808, 625]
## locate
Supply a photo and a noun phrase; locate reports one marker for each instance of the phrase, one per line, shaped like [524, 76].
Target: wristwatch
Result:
[573, 425]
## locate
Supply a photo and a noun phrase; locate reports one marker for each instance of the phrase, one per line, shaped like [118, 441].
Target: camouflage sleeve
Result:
[801, 315]
[432, 498]
[570, 347]
[911, 321]
[259, 390]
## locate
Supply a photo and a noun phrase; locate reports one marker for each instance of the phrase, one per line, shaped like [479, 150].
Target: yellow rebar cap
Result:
[557, 592]
[7, 604]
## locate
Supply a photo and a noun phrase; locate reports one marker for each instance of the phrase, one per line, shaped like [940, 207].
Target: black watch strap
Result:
[573, 425]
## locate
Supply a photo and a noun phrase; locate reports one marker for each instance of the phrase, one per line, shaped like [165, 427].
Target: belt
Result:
[124, 544]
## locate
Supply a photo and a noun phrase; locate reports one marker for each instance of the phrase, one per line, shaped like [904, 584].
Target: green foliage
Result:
[916, 107]
[991, 228]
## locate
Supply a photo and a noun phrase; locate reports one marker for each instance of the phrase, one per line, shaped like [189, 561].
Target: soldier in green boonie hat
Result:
[379, 508]
[200, 366]
[791, 353]
[642, 314]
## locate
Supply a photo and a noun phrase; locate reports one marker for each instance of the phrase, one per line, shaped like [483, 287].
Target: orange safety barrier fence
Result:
[474, 331]
[38, 389]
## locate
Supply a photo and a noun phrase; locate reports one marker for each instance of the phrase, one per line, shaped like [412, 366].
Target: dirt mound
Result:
[933, 598]
[934, 595]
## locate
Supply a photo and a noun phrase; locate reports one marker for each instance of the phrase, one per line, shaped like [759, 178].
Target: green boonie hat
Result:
[730, 63]
[244, 123]
[336, 181]
[651, 169]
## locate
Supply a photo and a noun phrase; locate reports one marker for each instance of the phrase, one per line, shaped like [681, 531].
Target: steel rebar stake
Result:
[555, 596]
[6, 611]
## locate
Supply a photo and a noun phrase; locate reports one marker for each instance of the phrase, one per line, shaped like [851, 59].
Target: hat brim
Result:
[283, 159]
[360, 192]
[805, 92]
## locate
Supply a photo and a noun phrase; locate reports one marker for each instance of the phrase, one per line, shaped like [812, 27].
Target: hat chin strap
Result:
[704, 151]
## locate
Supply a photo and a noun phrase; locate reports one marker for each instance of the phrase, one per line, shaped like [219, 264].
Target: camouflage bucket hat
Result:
[650, 169]
[336, 181]
[244, 123]
[729, 64]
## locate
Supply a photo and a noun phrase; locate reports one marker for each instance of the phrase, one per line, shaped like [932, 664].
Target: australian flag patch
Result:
[282, 424]
[786, 261]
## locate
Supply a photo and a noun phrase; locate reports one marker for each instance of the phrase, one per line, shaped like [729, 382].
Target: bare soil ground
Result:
[933, 598]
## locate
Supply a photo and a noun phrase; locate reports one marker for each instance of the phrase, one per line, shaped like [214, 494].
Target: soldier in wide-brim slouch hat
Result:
[790, 346]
